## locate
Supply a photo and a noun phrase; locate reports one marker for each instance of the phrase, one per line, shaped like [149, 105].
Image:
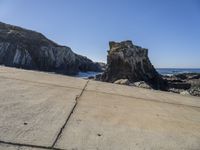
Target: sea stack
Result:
[128, 61]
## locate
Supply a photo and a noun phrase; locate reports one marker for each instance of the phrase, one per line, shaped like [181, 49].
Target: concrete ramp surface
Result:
[46, 111]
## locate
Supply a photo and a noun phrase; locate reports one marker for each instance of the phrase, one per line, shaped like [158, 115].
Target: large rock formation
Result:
[31, 50]
[127, 61]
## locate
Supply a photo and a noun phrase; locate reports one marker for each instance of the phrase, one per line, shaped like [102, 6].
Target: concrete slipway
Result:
[41, 111]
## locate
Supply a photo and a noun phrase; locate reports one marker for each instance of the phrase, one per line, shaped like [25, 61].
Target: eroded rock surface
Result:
[28, 49]
[128, 61]
[185, 83]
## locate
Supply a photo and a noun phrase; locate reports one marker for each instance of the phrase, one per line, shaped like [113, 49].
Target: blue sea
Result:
[172, 71]
[162, 71]
[87, 74]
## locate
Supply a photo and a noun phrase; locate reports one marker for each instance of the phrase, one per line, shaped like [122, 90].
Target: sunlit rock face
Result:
[128, 61]
[31, 50]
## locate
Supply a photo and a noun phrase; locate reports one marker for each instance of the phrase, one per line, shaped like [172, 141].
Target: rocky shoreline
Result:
[183, 83]
[128, 61]
[128, 64]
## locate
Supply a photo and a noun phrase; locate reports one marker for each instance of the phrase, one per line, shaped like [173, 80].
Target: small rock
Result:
[173, 90]
[142, 84]
[195, 91]
[97, 77]
[91, 77]
[184, 93]
[122, 81]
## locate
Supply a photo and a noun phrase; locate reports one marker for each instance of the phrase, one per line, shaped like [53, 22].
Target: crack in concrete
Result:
[69, 116]
[29, 145]
[62, 128]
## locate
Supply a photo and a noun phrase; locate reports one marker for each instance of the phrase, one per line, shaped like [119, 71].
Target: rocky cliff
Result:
[128, 61]
[28, 49]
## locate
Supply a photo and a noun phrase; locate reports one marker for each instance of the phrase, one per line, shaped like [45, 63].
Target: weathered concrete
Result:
[41, 77]
[33, 112]
[104, 121]
[146, 94]
[15, 147]
[39, 110]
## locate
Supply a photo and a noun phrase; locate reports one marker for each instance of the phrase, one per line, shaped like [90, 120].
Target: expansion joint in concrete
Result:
[29, 145]
[70, 114]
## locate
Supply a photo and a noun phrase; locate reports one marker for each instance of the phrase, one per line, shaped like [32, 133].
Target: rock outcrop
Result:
[185, 83]
[28, 49]
[128, 61]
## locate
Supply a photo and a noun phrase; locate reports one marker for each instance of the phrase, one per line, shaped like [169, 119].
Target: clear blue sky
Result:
[170, 29]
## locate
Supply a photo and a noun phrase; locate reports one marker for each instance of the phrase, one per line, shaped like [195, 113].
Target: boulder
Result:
[128, 61]
[184, 93]
[195, 90]
[142, 84]
[173, 90]
[91, 77]
[98, 77]
[122, 81]
[28, 49]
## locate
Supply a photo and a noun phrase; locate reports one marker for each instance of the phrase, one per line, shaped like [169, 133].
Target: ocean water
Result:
[87, 74]
[172, 71]
[162, 71]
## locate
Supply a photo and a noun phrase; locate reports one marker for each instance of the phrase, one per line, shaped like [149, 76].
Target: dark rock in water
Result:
[91, 77]
[175, 82]
[184, 83]
[188, 76]
[128, 61]
[179, 85]
[98, 77]
[31, 50]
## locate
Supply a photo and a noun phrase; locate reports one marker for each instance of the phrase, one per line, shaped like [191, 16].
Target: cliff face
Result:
[127, 61]
[31, 50]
